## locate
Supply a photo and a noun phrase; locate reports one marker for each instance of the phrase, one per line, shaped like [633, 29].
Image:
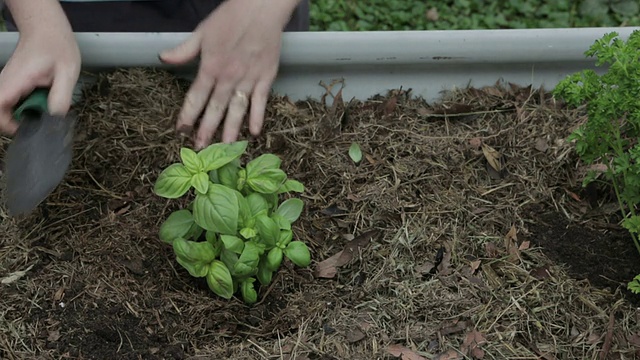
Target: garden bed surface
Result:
[451, 258]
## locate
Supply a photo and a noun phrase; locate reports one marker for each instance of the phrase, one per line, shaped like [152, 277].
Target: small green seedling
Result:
[355, 153]
[236, 230]
[610, 134]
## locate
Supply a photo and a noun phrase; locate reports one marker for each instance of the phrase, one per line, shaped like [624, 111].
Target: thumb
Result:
[61, 93]
[184, 52]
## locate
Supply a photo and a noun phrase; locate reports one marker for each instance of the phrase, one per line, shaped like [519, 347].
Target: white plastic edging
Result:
[371, 63]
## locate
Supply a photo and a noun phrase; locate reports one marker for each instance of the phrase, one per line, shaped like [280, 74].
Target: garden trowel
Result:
[39, 155]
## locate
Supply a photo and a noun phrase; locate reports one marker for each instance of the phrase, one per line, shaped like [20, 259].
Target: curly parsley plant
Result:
[610, 134]
[236, 230]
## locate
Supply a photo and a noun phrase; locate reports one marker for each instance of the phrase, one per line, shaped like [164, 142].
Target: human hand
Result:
[43, 57]
[239, 47]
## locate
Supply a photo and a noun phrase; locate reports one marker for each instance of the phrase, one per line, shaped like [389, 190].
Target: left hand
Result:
[239, 46]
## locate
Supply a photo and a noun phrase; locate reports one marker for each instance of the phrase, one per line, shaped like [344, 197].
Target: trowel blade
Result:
[37, 161]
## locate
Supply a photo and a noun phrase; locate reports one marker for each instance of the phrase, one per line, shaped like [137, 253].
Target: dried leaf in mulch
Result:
[404, 353]
[450, 354]
[495, 161]
[541, 272]
[355, 335]
[453, 327]
[606, 346]
[634, 340]
[511, 244]
[390, 105]
[472, 345]
[329, 268]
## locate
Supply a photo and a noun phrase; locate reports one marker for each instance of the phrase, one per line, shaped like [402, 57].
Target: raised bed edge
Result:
[374, 62]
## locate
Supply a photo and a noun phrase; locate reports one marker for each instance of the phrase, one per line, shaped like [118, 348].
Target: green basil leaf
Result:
[195, 257]
[264, 174]
[267, 182]
[262, 163]
[298, 253]
[232, 243]
[197, 270]
[261, 247]
[274, 258]
[248, 291]
[217, 210]
[173, 182]
[217, 244]
[190, 160]
[283, 223]
[248, 261]
[248, 233]
[267, 229]
[200, 182]
[194, 233]
[272, 201]
[241, 269]
[229, 258]
[257, 203]
[228, 174]
[242, 179]
[213, 176]
[177, 225]
[291, 185]
[290, 209]
[264, 275]
[194, 251]
[218, 155]
[219, 279]
[245, 218]
[284, 238]
[235, 284]
[212, 237]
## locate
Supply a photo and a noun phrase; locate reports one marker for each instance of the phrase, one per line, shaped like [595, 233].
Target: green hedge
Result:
[371, 15]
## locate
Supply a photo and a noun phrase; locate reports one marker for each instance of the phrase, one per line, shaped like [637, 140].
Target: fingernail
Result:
[198, 144]
[184, 130]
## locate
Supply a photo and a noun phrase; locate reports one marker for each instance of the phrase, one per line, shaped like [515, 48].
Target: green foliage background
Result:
[371, 15]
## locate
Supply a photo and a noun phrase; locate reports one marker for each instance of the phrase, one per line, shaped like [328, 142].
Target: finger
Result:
[258, 106]
[194, 102]
[238, 106]
[214, 114]
[8, 126]
[11, 92]
[61, 92]
[184, 52]
[14, 84]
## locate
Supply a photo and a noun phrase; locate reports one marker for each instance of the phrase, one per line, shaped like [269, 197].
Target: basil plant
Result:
[236, 230]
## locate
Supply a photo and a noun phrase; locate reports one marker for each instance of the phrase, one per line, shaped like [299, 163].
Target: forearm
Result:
[38, 15]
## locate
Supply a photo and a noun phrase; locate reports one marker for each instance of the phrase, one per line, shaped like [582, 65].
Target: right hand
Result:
[43, 58]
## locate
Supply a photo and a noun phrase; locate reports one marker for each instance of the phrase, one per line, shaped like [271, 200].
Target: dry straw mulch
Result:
[441, 266]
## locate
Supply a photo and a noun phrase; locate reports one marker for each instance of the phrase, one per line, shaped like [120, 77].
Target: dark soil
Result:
[608, 259]
[447, 266]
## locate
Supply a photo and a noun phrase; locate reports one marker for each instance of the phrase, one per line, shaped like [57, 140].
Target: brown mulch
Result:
[456, 257]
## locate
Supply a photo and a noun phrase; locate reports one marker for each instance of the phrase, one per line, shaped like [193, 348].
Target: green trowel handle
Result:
[36, 102]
